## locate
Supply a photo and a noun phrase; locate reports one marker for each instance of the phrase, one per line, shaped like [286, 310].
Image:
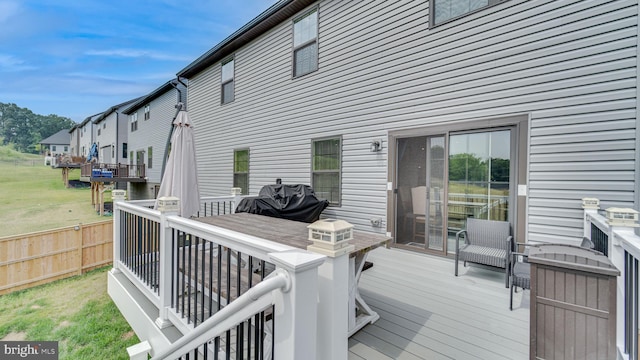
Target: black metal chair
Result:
[520, 276]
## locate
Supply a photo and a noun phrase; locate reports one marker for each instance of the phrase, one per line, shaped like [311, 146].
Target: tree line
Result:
[21, 127]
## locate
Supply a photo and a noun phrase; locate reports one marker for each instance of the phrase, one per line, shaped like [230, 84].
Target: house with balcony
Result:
[512, 111]
[149, 129]
[87, 136]
[111, 134]
[412, 117]
[112, 164]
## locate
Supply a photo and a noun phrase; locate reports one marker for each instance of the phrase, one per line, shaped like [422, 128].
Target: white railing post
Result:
[168, 206]
[235, 192]
[118, 197]
[337, 306]
[296, 308]
[590, 206]
[139, 351]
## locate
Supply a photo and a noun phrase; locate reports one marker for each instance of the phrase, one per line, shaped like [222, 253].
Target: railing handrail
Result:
[598, 220]
[145, 202]
[139, 210]
[629, 241]
[250, 303]
[246, 244]
[220, 198]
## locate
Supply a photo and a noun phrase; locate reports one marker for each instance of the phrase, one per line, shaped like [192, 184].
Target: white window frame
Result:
[304, 44]
[432, 11]
[236, 172]
[228, 80]
[147, 112]
[338, 171]
[134, 121]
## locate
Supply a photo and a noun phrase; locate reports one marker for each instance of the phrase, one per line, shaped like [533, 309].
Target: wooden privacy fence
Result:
[37, 258]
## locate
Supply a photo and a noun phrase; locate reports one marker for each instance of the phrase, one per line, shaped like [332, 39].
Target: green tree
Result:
[24, 129]
[467, 167]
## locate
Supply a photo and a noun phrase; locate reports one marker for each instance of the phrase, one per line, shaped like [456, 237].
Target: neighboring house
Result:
[111, 134]
[87, 134]
[149, 126]
[57, 144]
[411, 118]
[74, 141]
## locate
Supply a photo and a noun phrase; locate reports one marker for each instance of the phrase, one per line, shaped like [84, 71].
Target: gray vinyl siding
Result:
[108, 135]
[88, 136]
[74, 142]
[570, 66]
[154, 132]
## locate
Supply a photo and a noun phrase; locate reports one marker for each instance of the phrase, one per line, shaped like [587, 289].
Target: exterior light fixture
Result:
[331, 237]
[622, 217]
[118, 195]
[168, 204]
[590, 203]
[376, 145]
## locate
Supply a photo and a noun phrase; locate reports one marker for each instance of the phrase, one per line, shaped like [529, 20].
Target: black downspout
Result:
[117, 136]
[117, 144]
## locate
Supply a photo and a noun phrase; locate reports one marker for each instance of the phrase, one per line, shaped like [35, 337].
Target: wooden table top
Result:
[287, 232]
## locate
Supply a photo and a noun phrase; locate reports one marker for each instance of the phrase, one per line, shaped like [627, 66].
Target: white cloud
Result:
[12, 63]
[8, 9]
[134, 53]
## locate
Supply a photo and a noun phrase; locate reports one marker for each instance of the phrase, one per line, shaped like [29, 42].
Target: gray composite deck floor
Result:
[428, 313]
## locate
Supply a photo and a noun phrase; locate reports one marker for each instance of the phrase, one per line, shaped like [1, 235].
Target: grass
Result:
[77, 312]
[33, 198]
[8, 153]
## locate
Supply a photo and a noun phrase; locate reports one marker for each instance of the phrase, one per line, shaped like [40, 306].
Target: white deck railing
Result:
[622, 246]
[198, 276]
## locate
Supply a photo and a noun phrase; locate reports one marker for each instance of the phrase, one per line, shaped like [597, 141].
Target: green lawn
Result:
[77, 312]
[33, 198]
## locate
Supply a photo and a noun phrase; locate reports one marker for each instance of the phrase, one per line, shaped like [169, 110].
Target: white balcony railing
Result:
[622, 246]
[212, 283]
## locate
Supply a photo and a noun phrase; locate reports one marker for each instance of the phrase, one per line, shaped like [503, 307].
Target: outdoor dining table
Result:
[295, 234]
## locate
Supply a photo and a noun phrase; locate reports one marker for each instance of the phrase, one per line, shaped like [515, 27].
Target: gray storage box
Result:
[573, 303]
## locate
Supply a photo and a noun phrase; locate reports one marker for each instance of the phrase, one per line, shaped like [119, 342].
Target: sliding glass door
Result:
[442, 180]
[479, 180]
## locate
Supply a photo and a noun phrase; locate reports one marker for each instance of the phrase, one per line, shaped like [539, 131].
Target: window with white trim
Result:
[227, 80]
[443, 10]
[134, 121]
[305, 44]
[147, 112]
[326, 164]
[241, 170]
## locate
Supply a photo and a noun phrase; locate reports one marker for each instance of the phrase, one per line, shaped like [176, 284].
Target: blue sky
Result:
[75, 58]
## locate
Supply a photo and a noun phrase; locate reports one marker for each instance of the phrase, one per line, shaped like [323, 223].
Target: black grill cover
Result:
[292, 202]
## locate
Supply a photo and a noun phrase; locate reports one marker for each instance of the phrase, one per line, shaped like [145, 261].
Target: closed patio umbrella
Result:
[180, 178]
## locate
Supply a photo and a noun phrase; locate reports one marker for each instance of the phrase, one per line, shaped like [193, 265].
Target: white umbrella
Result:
[180, 178]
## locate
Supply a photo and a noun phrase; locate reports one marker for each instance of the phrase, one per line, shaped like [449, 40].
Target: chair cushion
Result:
[484, 255]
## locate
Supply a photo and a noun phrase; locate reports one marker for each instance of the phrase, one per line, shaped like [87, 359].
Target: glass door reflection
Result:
[478, 179]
